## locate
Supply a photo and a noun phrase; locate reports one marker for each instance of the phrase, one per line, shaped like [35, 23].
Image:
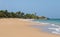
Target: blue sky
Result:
[48, 8]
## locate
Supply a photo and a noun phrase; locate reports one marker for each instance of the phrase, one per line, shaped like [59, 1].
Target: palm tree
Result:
[18, 14]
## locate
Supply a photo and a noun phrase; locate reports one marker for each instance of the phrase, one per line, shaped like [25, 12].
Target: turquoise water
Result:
[52, 27]
[51, 21]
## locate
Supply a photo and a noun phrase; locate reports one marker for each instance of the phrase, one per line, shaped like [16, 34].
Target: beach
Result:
[15, 27]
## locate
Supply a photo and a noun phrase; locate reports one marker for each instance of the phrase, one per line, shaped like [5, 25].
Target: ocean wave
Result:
[45, 23]
[56, 29]
[55, 25]
[51, 26]
[55, 32]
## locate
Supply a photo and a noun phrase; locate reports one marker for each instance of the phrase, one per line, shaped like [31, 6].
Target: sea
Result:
[53, 25]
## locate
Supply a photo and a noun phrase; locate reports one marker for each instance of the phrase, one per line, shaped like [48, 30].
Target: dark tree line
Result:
[19, 14]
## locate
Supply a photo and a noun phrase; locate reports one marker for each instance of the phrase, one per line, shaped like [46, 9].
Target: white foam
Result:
[55, 32]
[55, 25]
[56, 29]
[45, 23]
[52, 28]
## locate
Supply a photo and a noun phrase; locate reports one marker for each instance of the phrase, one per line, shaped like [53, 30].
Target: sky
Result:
[48, 8]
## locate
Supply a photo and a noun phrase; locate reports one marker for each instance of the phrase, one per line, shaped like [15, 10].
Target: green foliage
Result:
[19, 14]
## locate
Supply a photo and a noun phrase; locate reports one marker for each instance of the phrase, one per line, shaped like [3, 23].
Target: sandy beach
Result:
[14, 27]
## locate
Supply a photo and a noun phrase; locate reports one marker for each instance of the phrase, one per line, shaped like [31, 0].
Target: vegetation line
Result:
[18, 14]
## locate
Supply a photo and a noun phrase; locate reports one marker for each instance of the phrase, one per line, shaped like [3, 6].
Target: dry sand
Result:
[14, 27]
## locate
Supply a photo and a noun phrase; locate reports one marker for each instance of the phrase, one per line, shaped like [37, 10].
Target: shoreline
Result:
[20, 28]
[44, 24]
[40, 24]
[55, 28]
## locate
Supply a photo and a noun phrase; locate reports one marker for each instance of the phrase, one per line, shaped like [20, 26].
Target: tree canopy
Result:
[18, 14]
